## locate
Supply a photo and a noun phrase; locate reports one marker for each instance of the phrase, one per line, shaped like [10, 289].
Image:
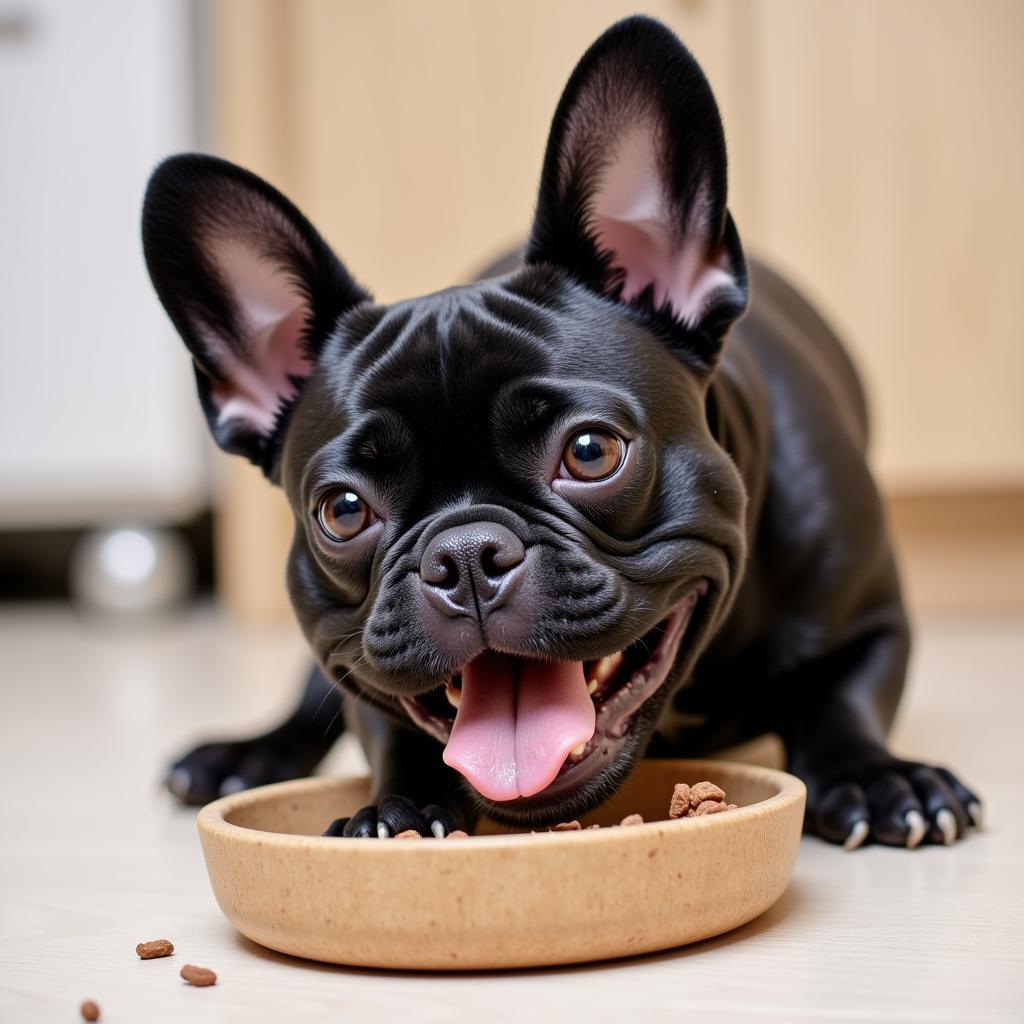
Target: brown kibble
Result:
[155, 949]
[632, 819]
[708, 807]
[567, 826]
[90, 1011]
[458, 834]
[409, 833]
[201, 977]
[705, 791]
[680, 801]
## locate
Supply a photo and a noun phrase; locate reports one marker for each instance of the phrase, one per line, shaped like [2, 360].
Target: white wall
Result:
[98, 419]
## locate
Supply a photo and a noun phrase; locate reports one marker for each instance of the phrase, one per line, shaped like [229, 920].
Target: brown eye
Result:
[593, 454]
[343, 514]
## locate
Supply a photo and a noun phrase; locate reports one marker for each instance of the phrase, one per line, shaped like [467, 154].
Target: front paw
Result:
[217, 769]
[893, 802]
[394, 815]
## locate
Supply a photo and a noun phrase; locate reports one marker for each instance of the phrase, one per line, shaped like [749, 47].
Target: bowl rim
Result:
[212, 822]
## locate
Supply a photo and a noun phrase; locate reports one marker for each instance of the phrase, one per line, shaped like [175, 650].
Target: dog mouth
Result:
[518, 728]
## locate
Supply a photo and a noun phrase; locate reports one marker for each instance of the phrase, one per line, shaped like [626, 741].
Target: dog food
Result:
[687, 802]
[198, 976]
[697, 800]
[89, 1010]
[156, 948]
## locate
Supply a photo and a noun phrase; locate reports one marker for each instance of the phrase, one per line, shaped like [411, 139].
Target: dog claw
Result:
[917, 826]
[179, 782]
[947, 825]
[232, 784]
[857, 835]
[977, 815]
[437, 829]
[382, 830]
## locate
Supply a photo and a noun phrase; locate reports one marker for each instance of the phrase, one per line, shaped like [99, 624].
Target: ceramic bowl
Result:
[502, 900]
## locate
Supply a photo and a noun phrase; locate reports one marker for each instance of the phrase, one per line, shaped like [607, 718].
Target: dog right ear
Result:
[252, 289]
[632, 199]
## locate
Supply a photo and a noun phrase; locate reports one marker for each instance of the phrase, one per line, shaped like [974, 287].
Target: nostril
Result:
[448, 577]
[496, 563]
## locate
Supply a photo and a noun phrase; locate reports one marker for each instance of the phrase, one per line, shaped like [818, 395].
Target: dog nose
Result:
[472, 568]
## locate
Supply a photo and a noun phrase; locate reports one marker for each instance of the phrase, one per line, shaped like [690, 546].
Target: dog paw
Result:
[893, 802]
[393, 815]
[217, 769]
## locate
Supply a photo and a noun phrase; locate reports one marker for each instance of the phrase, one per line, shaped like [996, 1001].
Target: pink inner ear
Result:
[273, 314]
[631, 216]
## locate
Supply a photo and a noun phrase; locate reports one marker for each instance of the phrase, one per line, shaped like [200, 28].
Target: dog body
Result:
[551, 521]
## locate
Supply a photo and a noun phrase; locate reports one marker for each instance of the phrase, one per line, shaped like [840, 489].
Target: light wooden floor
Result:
[94, 858]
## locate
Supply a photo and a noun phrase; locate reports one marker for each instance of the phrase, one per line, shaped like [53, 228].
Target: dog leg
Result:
[412, 787]
[290, 751]
[856, 789]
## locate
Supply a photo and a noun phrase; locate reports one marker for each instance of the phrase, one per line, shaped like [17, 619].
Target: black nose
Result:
[472, 568]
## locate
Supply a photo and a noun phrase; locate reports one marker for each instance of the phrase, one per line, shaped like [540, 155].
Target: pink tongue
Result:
[517, 722]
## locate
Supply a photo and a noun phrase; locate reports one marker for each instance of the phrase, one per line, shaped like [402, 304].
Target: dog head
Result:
[513, 526]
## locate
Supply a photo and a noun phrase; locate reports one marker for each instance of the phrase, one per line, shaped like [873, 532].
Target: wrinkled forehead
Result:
[446, 357]
[438, 372]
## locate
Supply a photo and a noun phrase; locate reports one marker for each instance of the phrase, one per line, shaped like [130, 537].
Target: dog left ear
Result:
[252, 288]
[633, 189]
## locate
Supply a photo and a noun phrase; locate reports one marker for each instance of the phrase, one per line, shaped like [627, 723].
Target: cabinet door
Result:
[419, 128]
[883, 146]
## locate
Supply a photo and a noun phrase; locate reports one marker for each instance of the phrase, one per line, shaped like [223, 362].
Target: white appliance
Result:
[98, 418]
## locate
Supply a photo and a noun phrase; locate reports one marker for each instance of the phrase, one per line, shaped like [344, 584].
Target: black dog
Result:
[557, 500]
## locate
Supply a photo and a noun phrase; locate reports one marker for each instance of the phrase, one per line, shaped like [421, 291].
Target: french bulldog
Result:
[549, 522]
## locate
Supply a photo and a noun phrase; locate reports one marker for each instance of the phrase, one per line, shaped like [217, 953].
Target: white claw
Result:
[918, 827]
[437, 829]
[232, 784]
[382, 830]
[977, 813]
[180, 781]
[857, 835]
[946, 821]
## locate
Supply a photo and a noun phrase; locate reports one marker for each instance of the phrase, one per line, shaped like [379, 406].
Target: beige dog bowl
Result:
[502, 900]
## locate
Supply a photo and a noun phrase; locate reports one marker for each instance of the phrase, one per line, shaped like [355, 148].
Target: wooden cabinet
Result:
[882, 160]
[876, 153]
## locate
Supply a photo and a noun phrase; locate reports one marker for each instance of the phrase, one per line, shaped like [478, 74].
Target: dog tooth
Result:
[606, 667]
[592, 687]
[453, 694]
[578, 751]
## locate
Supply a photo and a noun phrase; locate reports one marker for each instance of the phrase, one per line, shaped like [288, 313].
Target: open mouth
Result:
[517, 727]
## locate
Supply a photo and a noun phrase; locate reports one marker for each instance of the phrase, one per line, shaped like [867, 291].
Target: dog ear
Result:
[633, 190]
[252, 289]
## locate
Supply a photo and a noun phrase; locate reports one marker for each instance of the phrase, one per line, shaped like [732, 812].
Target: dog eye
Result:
[593, 455]
[342, 514]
